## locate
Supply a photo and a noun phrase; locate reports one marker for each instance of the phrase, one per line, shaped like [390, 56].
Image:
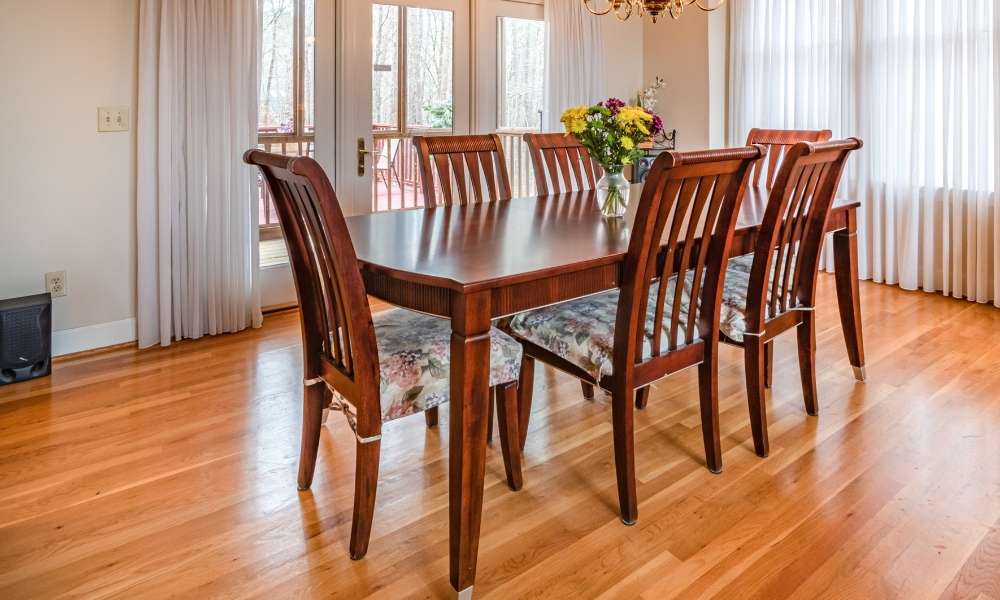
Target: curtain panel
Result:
[574, 60]
[196, 211]
[919, 81]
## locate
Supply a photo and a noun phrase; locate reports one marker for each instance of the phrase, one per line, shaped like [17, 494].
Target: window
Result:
[286, 114]
[521, 54]
[418, 94]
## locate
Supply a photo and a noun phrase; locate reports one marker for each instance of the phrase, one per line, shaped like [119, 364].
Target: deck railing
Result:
[396, 176]
[288, 145]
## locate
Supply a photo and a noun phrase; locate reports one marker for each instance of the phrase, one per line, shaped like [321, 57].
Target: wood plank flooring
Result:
[171, 473]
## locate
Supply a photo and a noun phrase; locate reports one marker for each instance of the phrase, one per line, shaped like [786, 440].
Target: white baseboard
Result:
[68, 341]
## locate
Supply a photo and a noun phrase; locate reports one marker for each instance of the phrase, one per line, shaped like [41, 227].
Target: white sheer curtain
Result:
[196, 205]
[574, 59]
[919, 81]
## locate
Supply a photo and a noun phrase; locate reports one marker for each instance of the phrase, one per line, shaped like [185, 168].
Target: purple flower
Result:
[613, 104]
[657, 124]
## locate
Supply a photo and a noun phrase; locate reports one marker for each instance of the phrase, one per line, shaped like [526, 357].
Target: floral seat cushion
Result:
[414, 359]
[582, 331]
[734, 296]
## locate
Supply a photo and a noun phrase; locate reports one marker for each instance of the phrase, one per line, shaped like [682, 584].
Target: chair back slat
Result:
[561, 163]
[336, 319]
[778, 141]
[786, 258]
[462, 162]
[689, 204]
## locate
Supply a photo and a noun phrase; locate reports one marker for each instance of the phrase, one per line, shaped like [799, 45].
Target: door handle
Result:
[361, 156]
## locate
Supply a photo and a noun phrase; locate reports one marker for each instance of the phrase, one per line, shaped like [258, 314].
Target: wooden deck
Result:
[171, 473]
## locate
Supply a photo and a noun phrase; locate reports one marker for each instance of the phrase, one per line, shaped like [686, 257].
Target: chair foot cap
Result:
[465, 594]
[629, 523]
[859, 373]
[715, 471]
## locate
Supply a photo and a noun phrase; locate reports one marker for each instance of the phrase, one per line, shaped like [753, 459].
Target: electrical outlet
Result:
[112, 118]
[55, 283]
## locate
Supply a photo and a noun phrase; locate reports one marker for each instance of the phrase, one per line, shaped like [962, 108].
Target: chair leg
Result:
[621, 411]
[365, 485]
[431, 416]
[494, 399]
[642, 397]
[314, 400]
[588, 390]
[768, 364]
[754, 356]
[525, 387]
[708, 392]
[806, 333]
[510, 438]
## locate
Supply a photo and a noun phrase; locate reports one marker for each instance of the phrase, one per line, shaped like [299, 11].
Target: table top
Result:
[480, 246]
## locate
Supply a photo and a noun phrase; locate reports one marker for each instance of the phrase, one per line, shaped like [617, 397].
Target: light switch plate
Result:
[112, 118]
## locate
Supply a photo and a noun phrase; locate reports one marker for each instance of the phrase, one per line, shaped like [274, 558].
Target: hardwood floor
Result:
[172, 473]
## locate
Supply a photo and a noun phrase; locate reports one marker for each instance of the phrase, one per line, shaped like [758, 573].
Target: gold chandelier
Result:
[623, 9]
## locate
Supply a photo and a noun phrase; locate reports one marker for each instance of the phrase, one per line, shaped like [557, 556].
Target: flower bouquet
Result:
[611, 131]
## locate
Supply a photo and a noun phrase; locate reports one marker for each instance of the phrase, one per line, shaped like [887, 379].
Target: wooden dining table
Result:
[475, 263]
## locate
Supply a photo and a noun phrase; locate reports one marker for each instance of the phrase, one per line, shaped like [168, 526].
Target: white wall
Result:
[67, 198]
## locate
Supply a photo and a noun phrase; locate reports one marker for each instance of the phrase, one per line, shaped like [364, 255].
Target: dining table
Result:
[479, 262]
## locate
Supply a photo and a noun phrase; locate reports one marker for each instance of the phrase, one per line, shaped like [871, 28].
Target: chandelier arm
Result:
[629, 5]
[707, 6]
[588, 5]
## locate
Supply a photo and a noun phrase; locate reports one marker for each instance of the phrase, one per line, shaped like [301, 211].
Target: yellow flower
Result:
[575, 119]
[634, 118]
[627, 143]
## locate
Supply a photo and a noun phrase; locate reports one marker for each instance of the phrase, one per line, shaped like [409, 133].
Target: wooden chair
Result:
[561, 160]
[773, 290]
[651, 327]
[371, 368]
[462, 162]
[778, 142]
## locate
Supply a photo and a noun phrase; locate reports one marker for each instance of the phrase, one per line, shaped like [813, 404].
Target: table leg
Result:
[470, 375]
[845, 254]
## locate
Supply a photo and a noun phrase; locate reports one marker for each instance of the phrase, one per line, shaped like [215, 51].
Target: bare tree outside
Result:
[277, 62]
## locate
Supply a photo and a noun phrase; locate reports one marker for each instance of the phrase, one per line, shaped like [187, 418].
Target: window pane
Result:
[309, 66]
[385, 66]
[276, 98]
[522, 73]
[429, 55]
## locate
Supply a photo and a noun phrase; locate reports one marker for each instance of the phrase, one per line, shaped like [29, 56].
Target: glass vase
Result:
[612, 192]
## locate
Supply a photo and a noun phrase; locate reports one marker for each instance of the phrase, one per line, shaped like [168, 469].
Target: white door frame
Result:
[486, 67]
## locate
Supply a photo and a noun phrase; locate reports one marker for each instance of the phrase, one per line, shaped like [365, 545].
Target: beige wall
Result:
[623, 57]
[67, 199]
[690, 54]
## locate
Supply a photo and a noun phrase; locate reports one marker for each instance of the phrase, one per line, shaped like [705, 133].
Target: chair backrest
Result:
[689, 206]
[338, 336]
[462, 162]
[563, 161]
[778, 141]
[786, 258]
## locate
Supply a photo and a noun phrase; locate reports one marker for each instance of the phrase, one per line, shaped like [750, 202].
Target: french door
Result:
[432, 67]
[404, 70]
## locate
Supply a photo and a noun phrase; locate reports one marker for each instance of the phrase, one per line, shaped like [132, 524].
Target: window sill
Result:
[273, 253]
